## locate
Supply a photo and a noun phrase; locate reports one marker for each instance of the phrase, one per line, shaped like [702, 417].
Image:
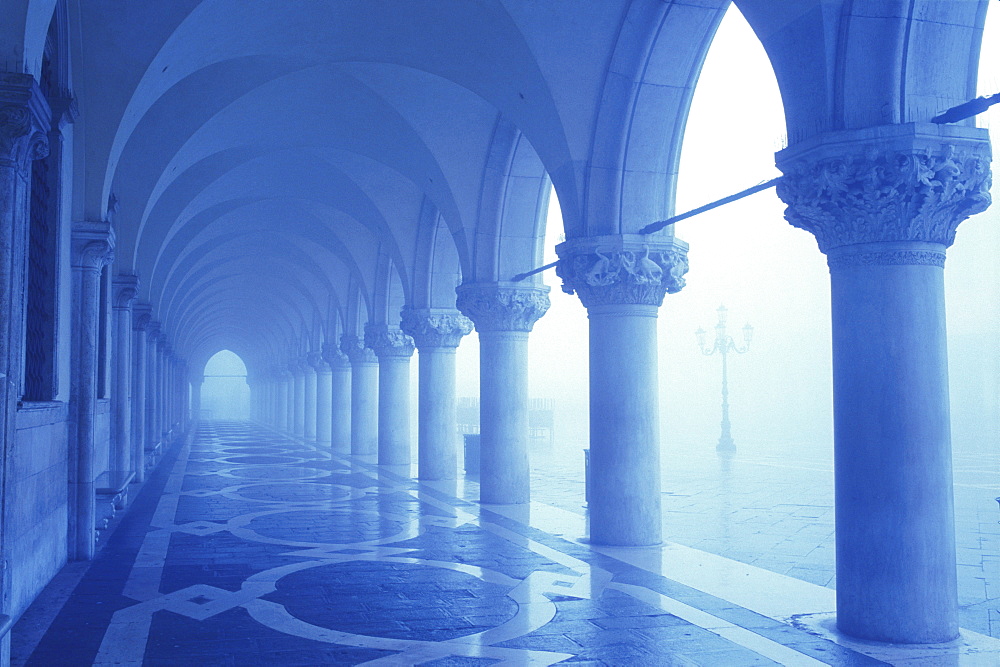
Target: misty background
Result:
[769, 274]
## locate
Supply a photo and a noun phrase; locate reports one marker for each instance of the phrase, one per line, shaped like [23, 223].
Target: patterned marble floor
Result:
[249, 548]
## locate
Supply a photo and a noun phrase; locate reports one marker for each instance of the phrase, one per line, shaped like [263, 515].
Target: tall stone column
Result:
[364, 396]
[93, 248]
[504, 315]
[140, 314]
[393, 348]
[324, 396]
[166, 425]
[340, 398]
[622, 280]
[125, 289]
[282, 403]
[183, 396]
[436, 334]
[196, 384]
[884, 204]
[298, 398]
[153, 432]
[309, 402]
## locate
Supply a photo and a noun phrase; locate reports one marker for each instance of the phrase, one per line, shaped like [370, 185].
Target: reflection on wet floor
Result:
[250, 548]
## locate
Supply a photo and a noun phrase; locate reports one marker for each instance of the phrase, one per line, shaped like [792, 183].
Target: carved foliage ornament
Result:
[878, 196]
[356, 351]
[431, 329]
[495, 307]
[388, 342]
[20, 143]
[333, 356]
[608, 276]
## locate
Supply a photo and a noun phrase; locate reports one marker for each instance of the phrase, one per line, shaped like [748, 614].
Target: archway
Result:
[225, 393]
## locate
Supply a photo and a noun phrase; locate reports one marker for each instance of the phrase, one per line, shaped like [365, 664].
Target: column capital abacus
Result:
[911, 184]
[431, 327]
[624, 269]
[126, 287]
[502, 306]
[25, 120]
[334, 357]
[388, 343]
[153, 330]
[93, 245]
[295, 367]
[356, 350]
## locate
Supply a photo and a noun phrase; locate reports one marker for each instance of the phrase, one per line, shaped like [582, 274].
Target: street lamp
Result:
[724, 344]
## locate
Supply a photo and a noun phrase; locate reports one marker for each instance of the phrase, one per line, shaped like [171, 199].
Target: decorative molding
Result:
[874, 191]
[386, 342]
[502, 306]
[625, 269]
[334, 357]
[886, 258]
[356, 351]
[434, 328]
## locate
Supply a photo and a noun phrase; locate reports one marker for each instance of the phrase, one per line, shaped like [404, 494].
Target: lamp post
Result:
[724, 344]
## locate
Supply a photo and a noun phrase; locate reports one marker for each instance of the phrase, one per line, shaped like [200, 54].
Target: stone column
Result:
[298, 389]
[393, 348]
[504, 314]
[93, 246]
[125, 288]
[309, 403]
[884, 204]
[152, 385]
[166, 426]
[139, 362]
[196, 384]
[340, 398]
[364, 396]
[436, 334]
[622, 280]
[324, 396]
[282, 403]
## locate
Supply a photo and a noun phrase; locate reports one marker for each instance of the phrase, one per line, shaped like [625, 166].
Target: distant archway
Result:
[225, 393]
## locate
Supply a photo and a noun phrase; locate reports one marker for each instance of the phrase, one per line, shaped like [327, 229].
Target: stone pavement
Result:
[249, 548]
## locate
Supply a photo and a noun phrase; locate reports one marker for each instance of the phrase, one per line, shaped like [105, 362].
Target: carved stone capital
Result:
[334, 357]
[890, 184]
[434, 328]
[388, 343]
[316, 361]
[623, 269]
[25, 119]
[141, 315]
[502, 306]
[356, 351]
[296, 367]
[126, 287]
[93, 245]
[153, 330]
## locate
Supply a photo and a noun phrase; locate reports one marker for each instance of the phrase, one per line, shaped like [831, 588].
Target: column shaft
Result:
[341, 401]
[624, 426]
[309, 423]
[122, 390]
[324, 407]
[503, 393]
[394, 410]
[436, 425]
[139, 402]
[364, 408]
[281, 410]
[896, 575]
[299, 403]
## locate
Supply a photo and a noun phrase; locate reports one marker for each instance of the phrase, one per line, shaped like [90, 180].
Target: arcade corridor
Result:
[247, 547]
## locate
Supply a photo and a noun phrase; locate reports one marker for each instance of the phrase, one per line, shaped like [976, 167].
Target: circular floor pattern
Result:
[415, 601]
[295, 492]
[336, 525]
[272, 472]
[247, 459]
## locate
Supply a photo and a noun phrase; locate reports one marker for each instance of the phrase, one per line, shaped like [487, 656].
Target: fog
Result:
[744, 255]
[225, 393]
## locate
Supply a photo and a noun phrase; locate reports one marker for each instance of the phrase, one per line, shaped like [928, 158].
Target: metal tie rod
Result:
[657, 226]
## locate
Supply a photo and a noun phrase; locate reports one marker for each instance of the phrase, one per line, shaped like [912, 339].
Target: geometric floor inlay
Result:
[247, 547]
